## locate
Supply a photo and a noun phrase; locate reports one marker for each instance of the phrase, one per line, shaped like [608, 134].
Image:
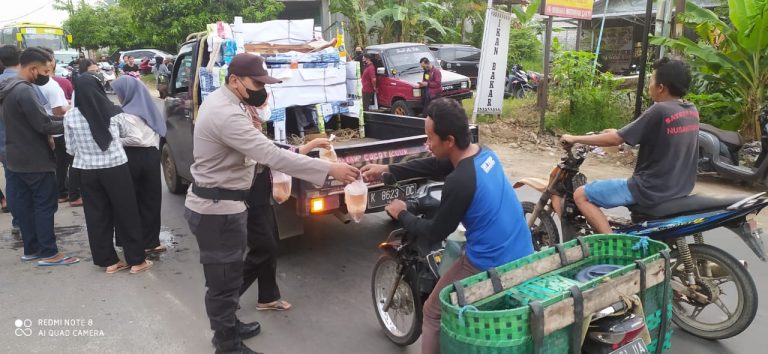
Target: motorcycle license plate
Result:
[382, 197]
[636, 346]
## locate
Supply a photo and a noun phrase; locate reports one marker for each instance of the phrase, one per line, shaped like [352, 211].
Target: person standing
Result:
[29, 159]
[226, 148]
[145, 125]
[431, 83]
[9, 60]
[63, 160]
[92, 133]
[369, 82]
[130, 66]
[57, 106]
[263, 234]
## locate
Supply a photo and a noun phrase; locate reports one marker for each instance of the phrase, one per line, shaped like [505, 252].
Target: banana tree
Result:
[734, 56]
[358, 18]
[409, 20]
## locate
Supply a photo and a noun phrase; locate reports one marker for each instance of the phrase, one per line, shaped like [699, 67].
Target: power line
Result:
[27, 14]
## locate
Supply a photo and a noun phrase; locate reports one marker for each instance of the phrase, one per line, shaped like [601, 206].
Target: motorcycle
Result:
[407, 271]
[517, 82]
[719, 153]
[702, 275]
[107, 75]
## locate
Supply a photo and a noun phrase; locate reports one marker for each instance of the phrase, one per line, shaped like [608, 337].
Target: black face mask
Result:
[256, 98]
[41, 80]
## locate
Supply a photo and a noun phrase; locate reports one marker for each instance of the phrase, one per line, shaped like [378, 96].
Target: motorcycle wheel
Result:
[402, 322]
[519, 92]
[715, 270]
[544, 231]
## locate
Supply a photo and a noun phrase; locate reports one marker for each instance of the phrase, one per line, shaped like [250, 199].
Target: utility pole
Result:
[644, 59]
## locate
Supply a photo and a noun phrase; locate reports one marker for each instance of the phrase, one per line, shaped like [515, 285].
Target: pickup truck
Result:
[388, 139]
[398, 73]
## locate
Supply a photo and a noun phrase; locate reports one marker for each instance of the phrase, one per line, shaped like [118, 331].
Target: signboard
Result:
[493, 63]
[581, 9]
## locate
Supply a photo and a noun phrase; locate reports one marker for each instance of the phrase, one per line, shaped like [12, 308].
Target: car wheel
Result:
[401, 108]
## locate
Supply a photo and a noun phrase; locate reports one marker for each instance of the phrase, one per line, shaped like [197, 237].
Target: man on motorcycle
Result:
[476, 193]
[666, 164]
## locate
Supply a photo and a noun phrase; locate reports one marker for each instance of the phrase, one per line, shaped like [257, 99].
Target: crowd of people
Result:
[68, 142]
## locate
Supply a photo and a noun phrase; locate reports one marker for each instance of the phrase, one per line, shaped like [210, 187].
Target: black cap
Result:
[253, 66]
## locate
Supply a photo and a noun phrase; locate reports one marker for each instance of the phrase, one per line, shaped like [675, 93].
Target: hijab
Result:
[137, 101]
[96, 107]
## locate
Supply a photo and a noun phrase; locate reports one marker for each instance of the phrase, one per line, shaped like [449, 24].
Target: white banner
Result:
[493, 63]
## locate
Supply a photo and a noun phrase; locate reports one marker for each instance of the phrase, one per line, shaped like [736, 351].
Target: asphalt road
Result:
[325, 274]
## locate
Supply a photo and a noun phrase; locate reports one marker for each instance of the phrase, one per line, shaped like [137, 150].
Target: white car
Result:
[139, 54]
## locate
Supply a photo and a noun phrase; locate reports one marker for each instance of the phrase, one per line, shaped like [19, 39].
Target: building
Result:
[622, 37]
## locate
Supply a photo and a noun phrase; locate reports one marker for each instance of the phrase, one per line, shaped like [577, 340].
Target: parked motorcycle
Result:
[407, 272]
[107, 75]
[719, 153]
[703, 276]
[517, 82]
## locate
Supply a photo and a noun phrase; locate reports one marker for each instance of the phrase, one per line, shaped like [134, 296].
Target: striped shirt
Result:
[81, 145]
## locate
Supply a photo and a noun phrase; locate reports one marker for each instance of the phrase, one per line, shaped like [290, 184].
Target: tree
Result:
[94, 27]
[733, 57]
[166, 24]
[357, 25]
[409, 21]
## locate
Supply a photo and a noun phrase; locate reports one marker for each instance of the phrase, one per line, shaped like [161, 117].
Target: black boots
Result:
[230, 341]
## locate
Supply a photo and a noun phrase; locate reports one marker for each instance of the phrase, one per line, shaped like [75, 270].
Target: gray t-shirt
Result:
[666, 164]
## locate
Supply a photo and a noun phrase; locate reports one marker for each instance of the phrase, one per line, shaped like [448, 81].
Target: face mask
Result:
[264, 113]
[256, 98]
[41, 79]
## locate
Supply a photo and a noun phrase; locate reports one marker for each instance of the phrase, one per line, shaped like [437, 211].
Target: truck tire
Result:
[175, 184]
[401, 108]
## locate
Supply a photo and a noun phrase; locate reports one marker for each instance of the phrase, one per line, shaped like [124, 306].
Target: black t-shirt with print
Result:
[666, 164]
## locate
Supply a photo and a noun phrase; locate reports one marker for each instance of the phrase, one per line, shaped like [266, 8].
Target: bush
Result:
[591, 101]
[717, 110]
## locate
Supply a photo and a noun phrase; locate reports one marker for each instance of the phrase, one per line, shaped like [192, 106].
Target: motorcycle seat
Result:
[688, 204]
[728, 137]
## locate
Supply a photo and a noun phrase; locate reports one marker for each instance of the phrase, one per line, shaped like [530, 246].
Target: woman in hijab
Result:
[92, 133]
[144, 127]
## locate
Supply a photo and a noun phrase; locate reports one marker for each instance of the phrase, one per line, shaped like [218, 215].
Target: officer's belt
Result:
[220, 193]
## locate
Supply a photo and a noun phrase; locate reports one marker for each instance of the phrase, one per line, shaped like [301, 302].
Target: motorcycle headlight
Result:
[464, 84]
[417, 92]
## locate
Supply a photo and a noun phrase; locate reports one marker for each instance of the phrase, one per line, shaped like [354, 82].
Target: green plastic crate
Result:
[500, 323]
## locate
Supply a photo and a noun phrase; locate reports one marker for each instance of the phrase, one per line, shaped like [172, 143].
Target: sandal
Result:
[279, 305]
[147, 266]
[62, 261]
[120, 266]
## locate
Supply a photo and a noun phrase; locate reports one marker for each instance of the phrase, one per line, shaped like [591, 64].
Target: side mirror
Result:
[381, 71]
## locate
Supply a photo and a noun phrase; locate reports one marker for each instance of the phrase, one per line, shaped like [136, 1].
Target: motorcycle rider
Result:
[666, 164]
[476, 192]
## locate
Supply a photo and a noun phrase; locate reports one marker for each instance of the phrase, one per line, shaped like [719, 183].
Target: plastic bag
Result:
[328, 154]
[356, 198]
[281, 186]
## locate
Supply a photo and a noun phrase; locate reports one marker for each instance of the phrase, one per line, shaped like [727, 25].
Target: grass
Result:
[519, 109]
[148, 80]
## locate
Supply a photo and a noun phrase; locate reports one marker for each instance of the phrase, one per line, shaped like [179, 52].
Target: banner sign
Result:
[581, 9]
[493, 63]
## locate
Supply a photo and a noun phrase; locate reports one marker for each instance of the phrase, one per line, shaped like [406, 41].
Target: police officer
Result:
[226, 148]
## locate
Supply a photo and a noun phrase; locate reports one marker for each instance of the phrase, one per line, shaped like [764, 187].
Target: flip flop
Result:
[63, 261]
[156, 250]
[279, 305]
[27, 258]
[119, 268]
[149, 265]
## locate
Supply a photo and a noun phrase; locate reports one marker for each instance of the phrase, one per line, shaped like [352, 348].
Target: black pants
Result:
[261, 260]
[144, 164]
[367, 100]
[67, 180]
[109, 203]
[222, 241]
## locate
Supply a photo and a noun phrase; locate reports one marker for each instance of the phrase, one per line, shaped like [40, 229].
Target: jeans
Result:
[33, 203]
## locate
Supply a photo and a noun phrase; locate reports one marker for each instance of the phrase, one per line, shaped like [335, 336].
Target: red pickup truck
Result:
[398, 73]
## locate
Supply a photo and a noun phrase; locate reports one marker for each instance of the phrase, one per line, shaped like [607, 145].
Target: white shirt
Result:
[55, 96]
[81, 145]
[138, 133]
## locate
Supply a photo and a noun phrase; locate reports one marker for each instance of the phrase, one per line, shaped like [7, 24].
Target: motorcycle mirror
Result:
[389, 179]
